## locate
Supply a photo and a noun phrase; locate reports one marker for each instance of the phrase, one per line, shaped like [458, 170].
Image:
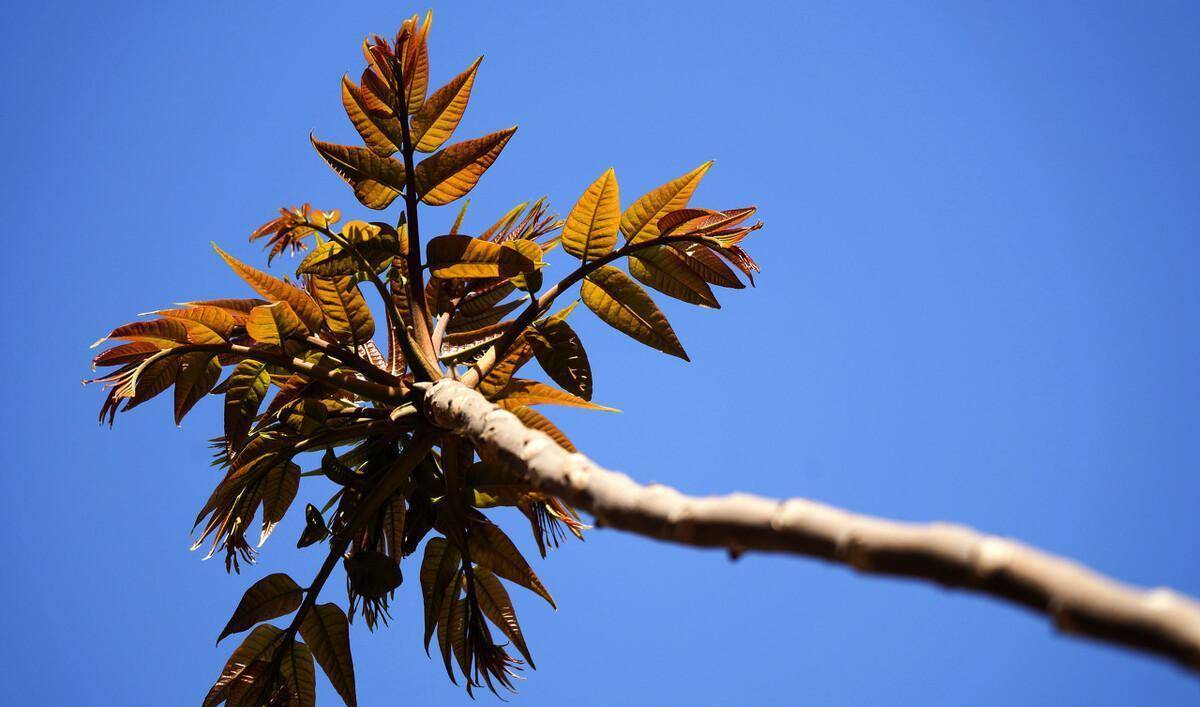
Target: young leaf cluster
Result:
[305, 365]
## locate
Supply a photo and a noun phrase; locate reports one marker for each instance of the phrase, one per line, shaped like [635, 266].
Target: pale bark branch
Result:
[1078, 600]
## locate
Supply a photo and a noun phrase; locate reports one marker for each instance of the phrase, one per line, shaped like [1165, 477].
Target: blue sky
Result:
[979, 303]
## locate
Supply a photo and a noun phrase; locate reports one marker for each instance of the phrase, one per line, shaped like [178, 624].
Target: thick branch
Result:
[1078, 600]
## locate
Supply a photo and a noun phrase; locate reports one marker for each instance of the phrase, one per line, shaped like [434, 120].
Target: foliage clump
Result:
[309, 368]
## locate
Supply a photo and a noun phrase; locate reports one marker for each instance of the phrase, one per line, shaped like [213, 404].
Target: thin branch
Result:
[540, 305]
[1078, 600]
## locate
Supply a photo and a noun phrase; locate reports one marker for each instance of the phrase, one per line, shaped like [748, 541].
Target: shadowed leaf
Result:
[327, 633]
[456, 256]
[273, 323]
[270, 597]
[490, 547]
[495, 604]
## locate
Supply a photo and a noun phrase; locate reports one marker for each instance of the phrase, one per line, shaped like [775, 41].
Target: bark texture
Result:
[1078, 600]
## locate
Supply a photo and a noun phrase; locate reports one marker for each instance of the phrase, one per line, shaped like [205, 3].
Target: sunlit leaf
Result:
[327, 633]
[273, 323]
[346, 310]
[376, 180]
[623, 305]
[452, 172]
[590, 230]
[276, 290]
[640, 220]
[526, 392]
[244, 393]
[534, 420]
[664, 269]
[440, 115]
[457, 256]
[270, 597]
[381, 133]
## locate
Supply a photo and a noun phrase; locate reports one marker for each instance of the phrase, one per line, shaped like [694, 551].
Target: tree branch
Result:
[1078, 600]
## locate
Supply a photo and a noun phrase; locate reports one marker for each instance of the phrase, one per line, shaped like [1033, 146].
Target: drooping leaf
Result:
[490, 547]
[276, 290]
[376, 181]
[299, 675]
[534, 420]
[449, 174]
[381, 133]
[394, 512]
[270, 597]
[709, 266]
[590, 231]
[372, 574]
[438, 568]
[152, 377]
[495, 604]
[272, 324]
[462, 322]
[561, 354]
[457, 256]
[244, 392]
[327, 633]
[258, 646]
[623, 305]
[640, 220]
[279, 488]
[440, 115]
[346, 310]
[198, 374]
[664, 269]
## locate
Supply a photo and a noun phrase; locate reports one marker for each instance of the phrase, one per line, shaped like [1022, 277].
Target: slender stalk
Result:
[416, 278]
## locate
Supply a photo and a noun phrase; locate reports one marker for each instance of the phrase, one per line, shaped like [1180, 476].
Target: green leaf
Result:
[270, 597]
[623, 305]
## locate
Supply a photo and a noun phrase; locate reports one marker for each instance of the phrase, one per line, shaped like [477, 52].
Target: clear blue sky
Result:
[980, 303]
